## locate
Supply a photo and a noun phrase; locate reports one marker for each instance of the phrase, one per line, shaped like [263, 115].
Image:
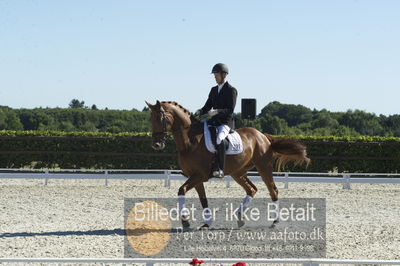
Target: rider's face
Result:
[219, 77]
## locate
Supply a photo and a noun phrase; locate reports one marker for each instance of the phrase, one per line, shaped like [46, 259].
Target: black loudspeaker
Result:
[249, 108]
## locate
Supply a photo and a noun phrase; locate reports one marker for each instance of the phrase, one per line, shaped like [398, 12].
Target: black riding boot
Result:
[220, 159]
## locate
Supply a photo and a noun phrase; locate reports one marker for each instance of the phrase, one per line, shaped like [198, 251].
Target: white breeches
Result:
[222, 132]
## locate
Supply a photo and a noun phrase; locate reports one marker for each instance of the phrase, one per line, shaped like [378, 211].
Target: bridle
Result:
[163, 134]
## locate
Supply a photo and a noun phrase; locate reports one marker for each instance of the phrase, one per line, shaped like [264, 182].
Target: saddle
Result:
[233, 142]
[213, 134]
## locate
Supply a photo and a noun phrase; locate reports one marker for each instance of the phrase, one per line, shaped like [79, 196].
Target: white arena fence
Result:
[152, 261]
[168, 175]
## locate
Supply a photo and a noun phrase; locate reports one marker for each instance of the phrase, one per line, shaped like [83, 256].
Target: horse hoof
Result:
[274, 223]
[185, 224]
[204, 227]
[240, 223]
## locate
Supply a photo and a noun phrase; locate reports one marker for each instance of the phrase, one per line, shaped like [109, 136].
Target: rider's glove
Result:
[198, 112]
[213, 112]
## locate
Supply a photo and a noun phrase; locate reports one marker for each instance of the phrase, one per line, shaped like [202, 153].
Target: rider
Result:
[220, 105]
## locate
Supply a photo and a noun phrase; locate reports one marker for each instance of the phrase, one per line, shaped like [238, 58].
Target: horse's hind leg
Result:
[250, 189]
[204, 203]
[265, 169]
[245, 183]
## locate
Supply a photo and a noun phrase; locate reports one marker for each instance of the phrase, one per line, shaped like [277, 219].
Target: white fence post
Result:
[286, 180]
[346, 181]
[167, 180]
[228, 183]
[106, 178]
[46, 173]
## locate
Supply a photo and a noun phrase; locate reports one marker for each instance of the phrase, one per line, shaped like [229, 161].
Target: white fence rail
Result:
[152, 261]
[168, 175]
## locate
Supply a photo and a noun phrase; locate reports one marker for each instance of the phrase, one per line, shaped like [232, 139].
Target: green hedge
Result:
[352, 154]
[50, 149]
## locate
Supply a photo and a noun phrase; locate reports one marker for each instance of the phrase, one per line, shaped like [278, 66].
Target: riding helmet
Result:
[220, 68]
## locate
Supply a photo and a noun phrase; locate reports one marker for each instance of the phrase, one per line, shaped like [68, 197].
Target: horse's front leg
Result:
[183, 211]
[207, 214]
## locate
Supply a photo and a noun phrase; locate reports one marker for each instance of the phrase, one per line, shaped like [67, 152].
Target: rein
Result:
[163, 134]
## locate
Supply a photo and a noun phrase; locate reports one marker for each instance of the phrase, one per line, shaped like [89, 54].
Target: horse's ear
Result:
[158, 106]
[149, 105]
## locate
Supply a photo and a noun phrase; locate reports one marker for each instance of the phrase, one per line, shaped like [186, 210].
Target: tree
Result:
[94, 107]
[75, 103]
[9, 119]
[36, 119]
[367, 124]
[66, 126]
[273, 125]
[324, 119]
[343, 131]
[292, 114]
[2, 119]
[391, 124]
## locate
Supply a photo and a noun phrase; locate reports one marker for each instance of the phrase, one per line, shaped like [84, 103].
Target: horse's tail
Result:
[286, 150]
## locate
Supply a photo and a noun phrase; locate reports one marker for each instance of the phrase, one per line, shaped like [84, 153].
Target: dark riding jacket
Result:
[225, 102]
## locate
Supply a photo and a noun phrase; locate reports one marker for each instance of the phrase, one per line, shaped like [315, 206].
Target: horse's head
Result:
[168, 116]
[161, 121]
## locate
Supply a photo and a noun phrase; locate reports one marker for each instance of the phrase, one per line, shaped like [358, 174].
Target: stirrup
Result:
[218, 173]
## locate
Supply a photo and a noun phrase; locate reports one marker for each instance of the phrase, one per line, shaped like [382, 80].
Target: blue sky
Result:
[337, 54]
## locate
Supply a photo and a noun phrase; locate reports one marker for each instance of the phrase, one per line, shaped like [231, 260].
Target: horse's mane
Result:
[177, 105]
[186, 111]
[196, 127]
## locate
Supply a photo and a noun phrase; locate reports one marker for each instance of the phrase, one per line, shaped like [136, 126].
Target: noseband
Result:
[163, 133]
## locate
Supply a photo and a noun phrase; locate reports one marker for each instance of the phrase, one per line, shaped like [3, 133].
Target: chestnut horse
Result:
[195, 160]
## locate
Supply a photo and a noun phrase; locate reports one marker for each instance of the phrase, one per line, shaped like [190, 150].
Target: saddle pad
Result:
[235, 142]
